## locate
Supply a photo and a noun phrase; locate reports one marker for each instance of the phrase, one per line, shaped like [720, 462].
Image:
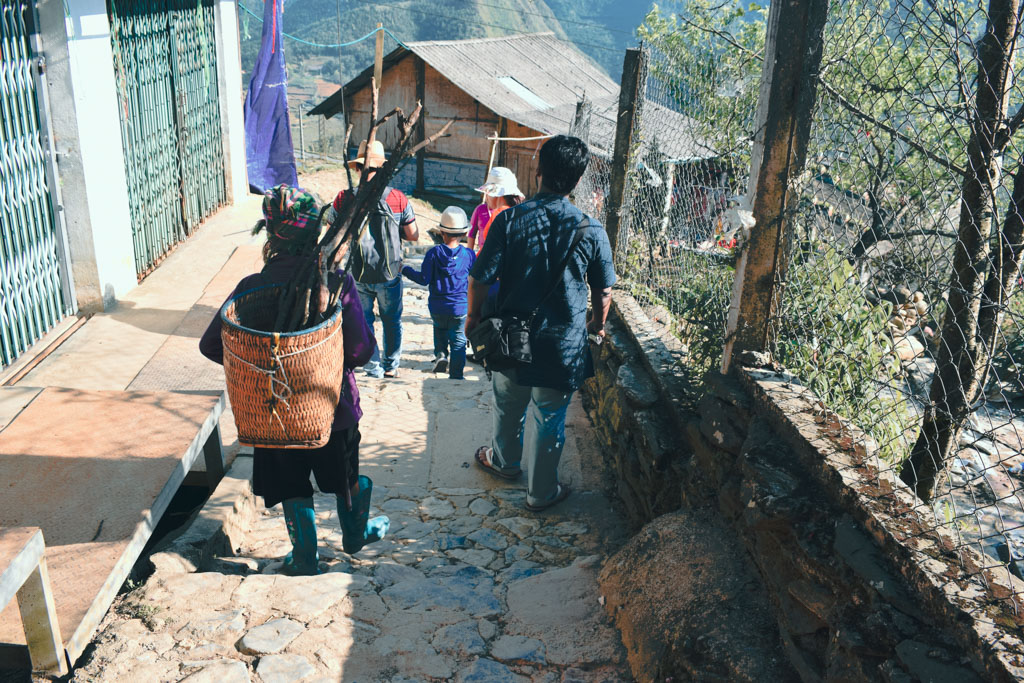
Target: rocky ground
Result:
[468, 586]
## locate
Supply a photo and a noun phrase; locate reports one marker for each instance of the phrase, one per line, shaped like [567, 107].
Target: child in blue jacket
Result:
[446, 272]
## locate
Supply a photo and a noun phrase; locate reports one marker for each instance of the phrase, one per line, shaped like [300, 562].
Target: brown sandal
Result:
[483, 461]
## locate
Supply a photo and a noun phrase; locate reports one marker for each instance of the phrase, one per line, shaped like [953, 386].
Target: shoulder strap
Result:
[556, 276]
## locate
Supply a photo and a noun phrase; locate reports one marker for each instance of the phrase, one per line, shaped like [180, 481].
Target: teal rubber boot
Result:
[300, 519]
[357, 529]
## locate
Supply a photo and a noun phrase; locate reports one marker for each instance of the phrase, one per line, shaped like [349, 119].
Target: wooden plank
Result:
[793, 48]
[459, 160]
[144, 530]
[213, 453]
[21, 549]
[23, 574]
[13, 400]
[140, 444]
[39, 619]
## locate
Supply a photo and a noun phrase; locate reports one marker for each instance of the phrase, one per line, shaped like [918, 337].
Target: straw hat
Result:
[375, 159]
[454, 221]
[500, 182]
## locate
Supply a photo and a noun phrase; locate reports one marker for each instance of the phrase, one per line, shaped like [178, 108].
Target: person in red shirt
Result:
[377, 260]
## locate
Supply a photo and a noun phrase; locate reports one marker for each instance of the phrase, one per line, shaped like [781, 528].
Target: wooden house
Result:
[522, 86]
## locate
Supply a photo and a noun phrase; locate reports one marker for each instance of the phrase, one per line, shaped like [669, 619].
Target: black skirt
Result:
[282, 473]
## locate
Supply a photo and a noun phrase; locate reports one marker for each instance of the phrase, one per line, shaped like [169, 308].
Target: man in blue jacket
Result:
[446, 272]
[525, 250]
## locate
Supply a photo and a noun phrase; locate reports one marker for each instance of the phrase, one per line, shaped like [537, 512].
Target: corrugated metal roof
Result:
[554, 71]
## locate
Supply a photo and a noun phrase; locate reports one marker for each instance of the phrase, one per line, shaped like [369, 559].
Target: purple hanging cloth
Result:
[268, 136]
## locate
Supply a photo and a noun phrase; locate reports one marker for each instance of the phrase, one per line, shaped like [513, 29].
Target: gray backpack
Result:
[377, 256]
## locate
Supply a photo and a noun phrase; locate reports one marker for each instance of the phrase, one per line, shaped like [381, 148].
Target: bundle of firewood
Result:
[307, 298]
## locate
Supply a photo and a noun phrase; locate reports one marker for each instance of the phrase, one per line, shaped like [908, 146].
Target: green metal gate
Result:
[34, 294]
[165, 58]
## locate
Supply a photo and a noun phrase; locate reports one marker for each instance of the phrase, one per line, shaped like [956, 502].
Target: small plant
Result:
[144, 612]
[698, 301]
[838, 344]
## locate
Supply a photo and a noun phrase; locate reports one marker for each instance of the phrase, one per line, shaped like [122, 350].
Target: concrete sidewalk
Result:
[149, 341]
[113, 347]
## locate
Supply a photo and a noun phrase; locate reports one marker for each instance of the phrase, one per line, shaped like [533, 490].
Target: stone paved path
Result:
[468, 586]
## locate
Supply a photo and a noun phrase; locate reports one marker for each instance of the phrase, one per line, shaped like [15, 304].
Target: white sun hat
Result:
[454, 221]
[501, 182]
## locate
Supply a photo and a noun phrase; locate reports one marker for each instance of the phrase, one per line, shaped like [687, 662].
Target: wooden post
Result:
[344, 104]
[39, 619]
[421, 126]
[378, 55]
[302, 135]
[580, 128]
[23, 574]
[631, 94]
[502, 156]
[666, 205]
[490, 161]
[793, 47]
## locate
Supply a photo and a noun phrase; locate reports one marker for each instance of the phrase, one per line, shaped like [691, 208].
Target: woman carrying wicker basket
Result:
[291, 221]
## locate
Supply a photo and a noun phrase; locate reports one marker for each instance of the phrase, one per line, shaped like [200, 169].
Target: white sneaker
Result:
[440, 364]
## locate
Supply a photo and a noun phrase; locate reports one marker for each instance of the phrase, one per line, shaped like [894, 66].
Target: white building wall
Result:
[229, 68]
[90, 158]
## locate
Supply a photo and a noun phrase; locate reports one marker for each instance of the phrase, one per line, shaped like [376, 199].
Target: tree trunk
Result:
[968, 332]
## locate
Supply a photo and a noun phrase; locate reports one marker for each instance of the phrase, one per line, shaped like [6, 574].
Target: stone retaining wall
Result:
[446, 177]
[863, 586]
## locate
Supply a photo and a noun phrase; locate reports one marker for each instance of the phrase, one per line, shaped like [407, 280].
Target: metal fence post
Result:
[793, 47]
[631, 95]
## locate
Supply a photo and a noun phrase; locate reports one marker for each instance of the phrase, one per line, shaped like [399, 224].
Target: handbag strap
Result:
[583, 224]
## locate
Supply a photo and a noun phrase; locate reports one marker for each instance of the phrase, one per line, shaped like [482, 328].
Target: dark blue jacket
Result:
[526, 246]
[446, 272]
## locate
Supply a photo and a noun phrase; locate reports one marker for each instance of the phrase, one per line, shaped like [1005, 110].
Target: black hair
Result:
[563, 160]
[511, 200]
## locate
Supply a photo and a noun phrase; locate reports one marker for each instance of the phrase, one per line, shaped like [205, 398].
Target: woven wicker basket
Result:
[283, 388]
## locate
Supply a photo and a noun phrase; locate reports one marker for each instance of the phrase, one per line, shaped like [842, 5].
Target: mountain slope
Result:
[602, 29]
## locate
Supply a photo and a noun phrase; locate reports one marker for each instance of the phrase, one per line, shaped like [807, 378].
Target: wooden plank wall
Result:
[397, 90]
[521, 157]
[466, 142]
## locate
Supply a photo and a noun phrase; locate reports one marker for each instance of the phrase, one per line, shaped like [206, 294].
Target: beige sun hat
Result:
[454, 221]
[501, 182]
[375, 159]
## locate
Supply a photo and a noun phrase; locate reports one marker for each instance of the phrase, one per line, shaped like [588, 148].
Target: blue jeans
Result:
[388, 296]
[450, 333]
[542, 453]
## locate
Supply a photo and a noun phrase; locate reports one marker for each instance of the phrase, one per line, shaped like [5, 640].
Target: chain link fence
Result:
[900, 286]
[901, 302]
[689, 168]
